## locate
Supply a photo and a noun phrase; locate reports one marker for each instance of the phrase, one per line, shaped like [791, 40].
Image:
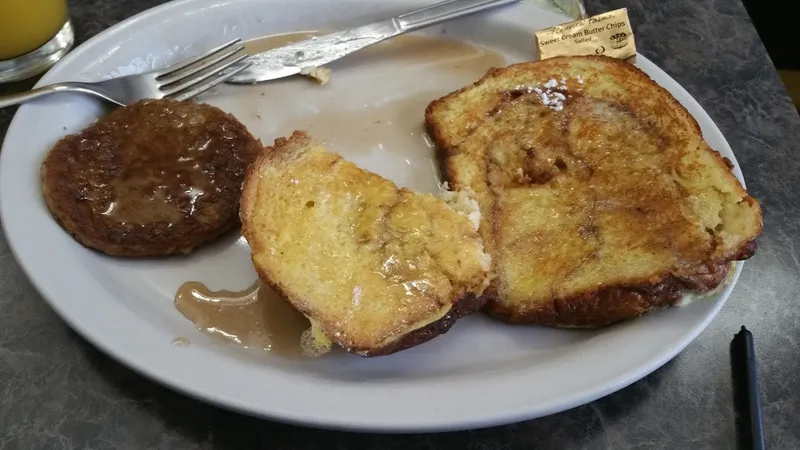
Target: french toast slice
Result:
[375, 268]
[600, 200]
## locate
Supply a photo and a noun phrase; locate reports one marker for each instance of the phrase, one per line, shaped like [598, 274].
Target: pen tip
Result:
[743, 328]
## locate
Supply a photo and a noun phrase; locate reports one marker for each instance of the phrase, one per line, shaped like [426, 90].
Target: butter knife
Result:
[318, 51]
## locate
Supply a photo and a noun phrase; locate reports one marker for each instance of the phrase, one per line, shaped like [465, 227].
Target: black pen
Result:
[746, 381]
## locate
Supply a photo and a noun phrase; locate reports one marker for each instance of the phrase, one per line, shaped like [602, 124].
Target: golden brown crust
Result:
[462, 307]
[284, 151]
[80, 168]
[594, 309]
[289, 149]
[606, 303]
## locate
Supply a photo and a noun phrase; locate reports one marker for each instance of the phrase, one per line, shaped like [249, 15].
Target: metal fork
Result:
[179, 81]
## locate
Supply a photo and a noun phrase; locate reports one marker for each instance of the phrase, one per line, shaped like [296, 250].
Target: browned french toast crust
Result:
[592, 309]
[462, 307]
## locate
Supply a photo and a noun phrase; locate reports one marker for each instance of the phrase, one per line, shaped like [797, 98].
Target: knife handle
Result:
[447, 10]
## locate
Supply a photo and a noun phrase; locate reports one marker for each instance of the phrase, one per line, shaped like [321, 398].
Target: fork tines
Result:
[188, 78]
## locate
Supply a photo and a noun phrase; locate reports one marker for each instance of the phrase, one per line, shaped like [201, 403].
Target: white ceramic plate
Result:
[481, 373]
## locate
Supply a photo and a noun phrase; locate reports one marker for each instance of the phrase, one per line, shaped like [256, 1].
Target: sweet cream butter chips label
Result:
[608, 34]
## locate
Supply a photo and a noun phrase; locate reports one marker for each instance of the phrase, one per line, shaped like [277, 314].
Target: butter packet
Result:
[608, 34]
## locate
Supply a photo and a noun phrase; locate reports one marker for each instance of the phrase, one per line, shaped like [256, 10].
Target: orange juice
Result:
[26, 25]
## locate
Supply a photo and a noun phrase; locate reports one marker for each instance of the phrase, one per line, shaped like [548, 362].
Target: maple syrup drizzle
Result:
[255, 317]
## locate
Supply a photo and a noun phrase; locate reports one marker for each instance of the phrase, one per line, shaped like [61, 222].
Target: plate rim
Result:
[147, 369]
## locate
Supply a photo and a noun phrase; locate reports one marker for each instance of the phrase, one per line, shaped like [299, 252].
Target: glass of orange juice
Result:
[34, 34]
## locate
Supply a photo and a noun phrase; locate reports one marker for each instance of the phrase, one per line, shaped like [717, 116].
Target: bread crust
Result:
[462, 307]
[609, 303]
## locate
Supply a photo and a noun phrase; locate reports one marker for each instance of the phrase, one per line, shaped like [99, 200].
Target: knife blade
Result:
[316, 52]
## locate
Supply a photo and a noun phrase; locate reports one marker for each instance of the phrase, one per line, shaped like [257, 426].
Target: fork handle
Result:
[22, 97]
[447, 10]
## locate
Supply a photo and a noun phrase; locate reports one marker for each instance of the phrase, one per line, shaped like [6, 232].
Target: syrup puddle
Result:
[253, 318]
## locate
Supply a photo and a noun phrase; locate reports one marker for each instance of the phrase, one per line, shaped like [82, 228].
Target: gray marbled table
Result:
[59, 392]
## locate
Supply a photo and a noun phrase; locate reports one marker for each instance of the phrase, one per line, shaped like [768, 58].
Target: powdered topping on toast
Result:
[552, 93]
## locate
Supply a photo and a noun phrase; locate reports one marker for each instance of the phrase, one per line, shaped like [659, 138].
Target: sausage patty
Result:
[155, 178]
